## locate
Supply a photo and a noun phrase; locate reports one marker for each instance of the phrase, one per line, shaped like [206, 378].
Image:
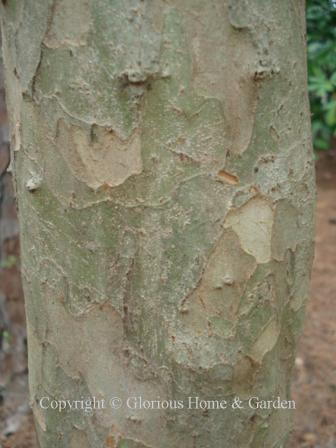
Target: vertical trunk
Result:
[165, 187]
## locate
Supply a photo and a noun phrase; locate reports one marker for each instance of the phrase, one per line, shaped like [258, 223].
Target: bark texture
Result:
[165, 185]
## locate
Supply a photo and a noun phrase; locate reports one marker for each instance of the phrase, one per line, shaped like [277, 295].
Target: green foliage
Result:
[7, 338]
[321, 30]
[8, 262]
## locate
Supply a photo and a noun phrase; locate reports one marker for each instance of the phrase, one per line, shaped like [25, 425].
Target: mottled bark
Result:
[165, 186]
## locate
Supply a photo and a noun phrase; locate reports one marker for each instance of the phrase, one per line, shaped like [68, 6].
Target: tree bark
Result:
[165, 186]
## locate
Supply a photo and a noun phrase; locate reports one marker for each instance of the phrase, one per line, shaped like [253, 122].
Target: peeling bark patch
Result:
[79, 438]
[109, 442]
[228, 178]
[253, 224]
[17, 137]
[244, 374]
[210, 309]
[286, 231]
[99, 157]
[266, 341]
[66, 28]
[32, 22]
[39, 416]
[33, 183]
[231, 83]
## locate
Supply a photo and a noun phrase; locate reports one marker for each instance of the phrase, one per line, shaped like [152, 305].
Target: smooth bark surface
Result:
[165, 186]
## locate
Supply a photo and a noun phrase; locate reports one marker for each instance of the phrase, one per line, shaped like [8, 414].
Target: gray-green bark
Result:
[165, 185]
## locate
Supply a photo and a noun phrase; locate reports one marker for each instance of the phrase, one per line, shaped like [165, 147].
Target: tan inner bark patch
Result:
[79, 438]
[108, 160]
[224, 176]
[266, 341]
[253, 224]
[211, 309]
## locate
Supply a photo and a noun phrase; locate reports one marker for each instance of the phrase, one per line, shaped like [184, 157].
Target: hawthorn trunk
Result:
[164, 177]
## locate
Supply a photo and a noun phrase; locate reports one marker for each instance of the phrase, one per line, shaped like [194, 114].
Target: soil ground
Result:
[314, 384]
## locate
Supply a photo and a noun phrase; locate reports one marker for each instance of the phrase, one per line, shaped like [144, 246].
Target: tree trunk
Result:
[165, 187]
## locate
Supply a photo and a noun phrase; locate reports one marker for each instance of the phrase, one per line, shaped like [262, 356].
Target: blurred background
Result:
[314, 385]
